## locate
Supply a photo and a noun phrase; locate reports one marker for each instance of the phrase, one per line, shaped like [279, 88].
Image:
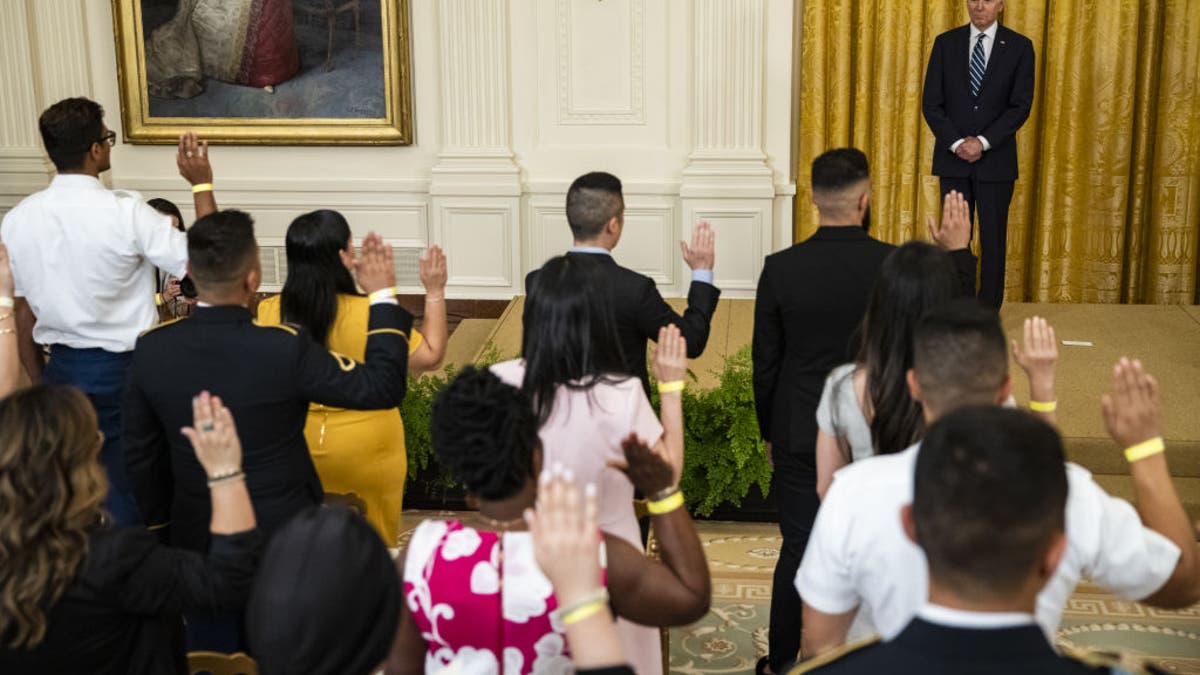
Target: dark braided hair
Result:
[484, 432]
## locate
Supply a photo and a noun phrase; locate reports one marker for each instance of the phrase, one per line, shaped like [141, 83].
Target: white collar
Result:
[990, 32]
[590, 249]
[959, 618]
[76, 180]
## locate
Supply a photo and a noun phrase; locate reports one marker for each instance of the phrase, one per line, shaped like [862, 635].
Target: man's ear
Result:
[1005, 389]
[910, 526]
[865, 200]
[914, 387]
[254, 278]
[1053, 556]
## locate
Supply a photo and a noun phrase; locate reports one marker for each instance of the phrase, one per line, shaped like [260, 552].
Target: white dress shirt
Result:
[961, 618]
[859, 556]
[83, 257]
[987, 56]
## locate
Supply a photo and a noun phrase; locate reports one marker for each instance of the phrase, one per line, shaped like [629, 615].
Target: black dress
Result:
[121, 614]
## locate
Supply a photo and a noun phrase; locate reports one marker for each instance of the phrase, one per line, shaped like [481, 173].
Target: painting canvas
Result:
[265, 71]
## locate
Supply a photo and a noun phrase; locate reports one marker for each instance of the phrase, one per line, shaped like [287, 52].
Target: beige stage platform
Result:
[1166, 338]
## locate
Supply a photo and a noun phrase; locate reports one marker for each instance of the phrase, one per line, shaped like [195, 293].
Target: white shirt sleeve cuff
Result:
[391, 300]
[703, 275]
[955, 144]
[986, 146]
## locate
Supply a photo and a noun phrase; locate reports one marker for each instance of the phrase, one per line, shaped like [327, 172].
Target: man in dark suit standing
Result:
[986, 565]
[265, 375]
[978, 93]
[811, 298]
[596, 214]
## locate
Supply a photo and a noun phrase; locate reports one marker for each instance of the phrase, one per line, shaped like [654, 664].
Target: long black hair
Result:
[316, 274]
[570, 333]
[913, 279]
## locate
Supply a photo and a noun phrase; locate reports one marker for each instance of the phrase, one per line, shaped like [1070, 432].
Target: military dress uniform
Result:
[927, 647]
[266, 376]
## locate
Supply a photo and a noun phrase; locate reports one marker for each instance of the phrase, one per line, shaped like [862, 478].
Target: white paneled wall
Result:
[688, 101]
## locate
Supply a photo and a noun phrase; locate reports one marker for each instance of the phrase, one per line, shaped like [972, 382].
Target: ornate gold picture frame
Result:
[265, 72]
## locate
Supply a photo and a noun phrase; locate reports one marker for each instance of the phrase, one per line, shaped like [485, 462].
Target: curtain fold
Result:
[1107, 206]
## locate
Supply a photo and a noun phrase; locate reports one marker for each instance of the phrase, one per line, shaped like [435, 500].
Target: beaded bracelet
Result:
[223, 477]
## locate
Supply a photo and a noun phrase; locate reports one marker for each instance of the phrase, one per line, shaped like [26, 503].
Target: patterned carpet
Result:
[742, 558]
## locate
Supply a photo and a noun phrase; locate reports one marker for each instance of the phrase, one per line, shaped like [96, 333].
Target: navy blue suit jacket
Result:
[1002, 106]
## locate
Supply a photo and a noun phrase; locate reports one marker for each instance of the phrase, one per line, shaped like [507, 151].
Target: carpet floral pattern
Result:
[742, 558]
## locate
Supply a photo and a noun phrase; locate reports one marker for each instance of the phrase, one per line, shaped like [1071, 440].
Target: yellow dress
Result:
[358, 452]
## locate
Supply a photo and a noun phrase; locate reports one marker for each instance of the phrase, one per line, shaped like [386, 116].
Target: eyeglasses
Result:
[110, 138]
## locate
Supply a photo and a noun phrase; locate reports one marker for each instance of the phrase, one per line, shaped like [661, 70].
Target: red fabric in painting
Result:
[270, 56]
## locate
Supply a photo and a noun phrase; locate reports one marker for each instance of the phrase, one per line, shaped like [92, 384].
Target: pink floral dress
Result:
[482, 603]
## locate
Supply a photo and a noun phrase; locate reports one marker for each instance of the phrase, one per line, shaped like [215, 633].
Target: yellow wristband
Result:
[665, 505]
[158, 300]
[670, 387]
[580, 613]
[1144, 449]
[1043, 406]
[201, 187]
[382, 294]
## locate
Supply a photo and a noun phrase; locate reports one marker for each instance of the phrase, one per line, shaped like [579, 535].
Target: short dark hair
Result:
[485, 433]
[989, 496]
[593, 200]
[960, 356]
[168, 208]
[838, 169]
[69, 129]
[221, 247]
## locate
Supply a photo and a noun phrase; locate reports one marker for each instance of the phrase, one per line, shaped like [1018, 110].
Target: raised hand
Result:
[432, 267]
[649, 471]
[1132, 410]
[955, 231]
[1038, 357]
[566, 541]
[192, 160]
[668, 358]
[375, 268]
[7, 286]
[214, 436]
[702, 253]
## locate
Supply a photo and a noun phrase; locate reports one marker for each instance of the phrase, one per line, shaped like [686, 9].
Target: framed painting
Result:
[265, 72]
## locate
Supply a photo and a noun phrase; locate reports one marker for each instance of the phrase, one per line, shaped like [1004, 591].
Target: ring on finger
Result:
[189, 155]
[208, 426]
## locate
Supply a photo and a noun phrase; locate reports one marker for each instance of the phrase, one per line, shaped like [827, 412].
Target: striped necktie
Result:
[977, 65]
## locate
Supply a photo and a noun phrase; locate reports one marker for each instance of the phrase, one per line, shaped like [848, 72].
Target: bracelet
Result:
[429, 299]
[6, 301]
[227, 476]
[1144, 449]
[663, 494]
[7, 331]
[666, 504]
[201, 187]
[382, 294]
[1043, 406]
[584, 608]
[6, 317]
[670, 387]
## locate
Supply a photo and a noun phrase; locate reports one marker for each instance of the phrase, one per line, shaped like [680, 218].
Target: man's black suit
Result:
[925, 647]
[641, 312]
[266, 376]
[1002, 106]
[811, 298]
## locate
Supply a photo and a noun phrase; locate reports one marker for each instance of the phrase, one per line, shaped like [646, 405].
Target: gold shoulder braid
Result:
[831, 656]
[1117, 661]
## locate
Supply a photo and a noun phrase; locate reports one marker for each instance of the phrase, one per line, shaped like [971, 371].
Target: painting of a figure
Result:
[308, 71]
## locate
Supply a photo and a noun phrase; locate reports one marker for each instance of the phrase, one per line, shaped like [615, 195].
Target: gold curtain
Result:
[1107, 206]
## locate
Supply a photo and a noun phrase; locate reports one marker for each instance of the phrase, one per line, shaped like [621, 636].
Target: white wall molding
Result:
[688, 102]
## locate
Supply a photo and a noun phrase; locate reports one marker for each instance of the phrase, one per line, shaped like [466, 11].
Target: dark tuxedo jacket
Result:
[923, 648]
[641, 311]
[811, 298]
[266, 376]
[1002, 106]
